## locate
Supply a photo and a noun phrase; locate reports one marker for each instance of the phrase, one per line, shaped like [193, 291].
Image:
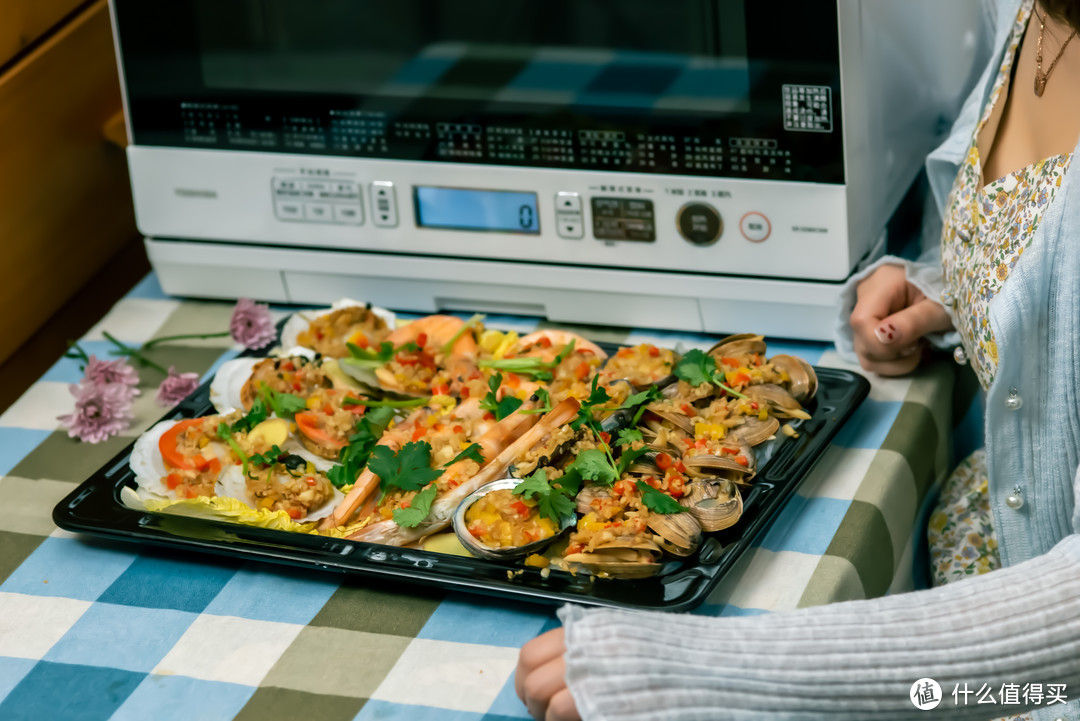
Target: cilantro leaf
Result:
[593, 465]
[283, 404]
[506, 406]
[225, 434]
[598, 395]
[354, 456]
[254, 417]
[473, 452]
[696, 367]
[627, 458]
[658, 501]
[267, 459]
[409, 469]
[555, 499]
[418, 509]
[544, 399]
[628, 436]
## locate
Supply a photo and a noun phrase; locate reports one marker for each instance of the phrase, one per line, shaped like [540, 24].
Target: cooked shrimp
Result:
[390, 533]
[429, 370]
[552, 340]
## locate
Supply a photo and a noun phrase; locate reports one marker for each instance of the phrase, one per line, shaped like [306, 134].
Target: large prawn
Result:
[446, 346]
[525, 433]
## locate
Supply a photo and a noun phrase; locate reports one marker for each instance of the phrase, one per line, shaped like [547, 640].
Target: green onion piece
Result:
[469, 325]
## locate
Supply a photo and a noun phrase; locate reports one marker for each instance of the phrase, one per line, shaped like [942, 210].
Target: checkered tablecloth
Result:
[101, 630]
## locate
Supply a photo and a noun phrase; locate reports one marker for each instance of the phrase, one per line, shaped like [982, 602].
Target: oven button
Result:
[348, 214]
[384, 204]
[319, 212]
[289, 210]
[699, 223]
[567, 202]
[570, 226]
[755, 227]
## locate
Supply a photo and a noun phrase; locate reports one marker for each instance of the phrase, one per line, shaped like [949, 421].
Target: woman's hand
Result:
[540, 680]
[890, 318]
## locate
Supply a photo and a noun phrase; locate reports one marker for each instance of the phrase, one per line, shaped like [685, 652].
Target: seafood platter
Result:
[443, 451]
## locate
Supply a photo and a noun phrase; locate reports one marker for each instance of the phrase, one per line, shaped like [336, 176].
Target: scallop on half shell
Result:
[299, 321]
[234, 485]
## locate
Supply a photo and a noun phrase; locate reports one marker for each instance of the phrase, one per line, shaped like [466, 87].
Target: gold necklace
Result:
[1040, 76]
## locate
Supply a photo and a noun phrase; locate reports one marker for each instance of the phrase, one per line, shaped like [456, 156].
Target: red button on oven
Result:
[755, 227]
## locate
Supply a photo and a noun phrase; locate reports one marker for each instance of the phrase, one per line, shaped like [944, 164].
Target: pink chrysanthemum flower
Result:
[176, 387]
[102, 372]
[102, 410]
[251, 325]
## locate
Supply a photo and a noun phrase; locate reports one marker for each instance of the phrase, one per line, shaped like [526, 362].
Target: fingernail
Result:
[910, 351]
[886, 333]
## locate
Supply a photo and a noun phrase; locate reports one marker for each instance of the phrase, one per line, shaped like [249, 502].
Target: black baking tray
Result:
[682, 584]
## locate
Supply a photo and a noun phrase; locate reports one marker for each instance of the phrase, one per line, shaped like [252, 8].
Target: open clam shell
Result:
[300, 320]
[779, 401]
[707, 465]
[755, 431]
[477, 548]
[631, 557]
[804, 381]
[680, 533]
[741, 344]
[715, 504]
[678, 420]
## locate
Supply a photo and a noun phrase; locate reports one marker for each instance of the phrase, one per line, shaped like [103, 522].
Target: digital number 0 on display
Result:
[501, 211]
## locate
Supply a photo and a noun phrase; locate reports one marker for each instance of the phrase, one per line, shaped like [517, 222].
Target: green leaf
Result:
[598, 395]
[490, 402]
[473, 452]
[506, 406]
[628, 436]
[593, 465]
[269, 458]
[225, 434]
[354, 457]
[696, 367]
[409, 469]
[470, 324]
[658, 501]
[418, 509]
[627, 458]
[283, 404]
[254, 417]
[555, 498]
[543, 399]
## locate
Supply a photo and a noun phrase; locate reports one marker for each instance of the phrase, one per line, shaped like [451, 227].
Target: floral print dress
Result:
[987, 229]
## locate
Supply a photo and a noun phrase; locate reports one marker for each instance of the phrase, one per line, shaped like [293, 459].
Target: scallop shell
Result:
[299, 321]
[232, 484]
[228, 382]
[148, 465]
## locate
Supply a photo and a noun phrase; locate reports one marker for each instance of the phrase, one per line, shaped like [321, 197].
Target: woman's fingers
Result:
[562, 707]
[902, 364]
[914, 322]
[542, 685]
[536, 653]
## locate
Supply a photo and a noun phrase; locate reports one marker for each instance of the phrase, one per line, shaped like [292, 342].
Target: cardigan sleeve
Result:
[853, 660]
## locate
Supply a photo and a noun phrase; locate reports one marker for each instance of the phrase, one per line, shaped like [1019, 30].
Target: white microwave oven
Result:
[703, 165]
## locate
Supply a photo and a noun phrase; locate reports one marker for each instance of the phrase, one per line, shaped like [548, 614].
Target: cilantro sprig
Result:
[418, 509]
[697, 367]
[500, 408]
[473, 451]
[628, 436]
[658, 501]
[470, 325]
[544, 399]
[373, 357]
[225, 434]
[556, 498]
[283, 405]
[252, 418]
[373, 403]
[535, 367]
[354, 457]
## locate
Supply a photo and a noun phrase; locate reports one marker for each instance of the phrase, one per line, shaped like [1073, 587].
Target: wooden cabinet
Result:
[65, 201]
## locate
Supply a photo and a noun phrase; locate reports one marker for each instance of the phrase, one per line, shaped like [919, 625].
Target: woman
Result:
[1019, 323]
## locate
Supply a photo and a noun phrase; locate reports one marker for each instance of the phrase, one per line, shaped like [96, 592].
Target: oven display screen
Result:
[500, 211]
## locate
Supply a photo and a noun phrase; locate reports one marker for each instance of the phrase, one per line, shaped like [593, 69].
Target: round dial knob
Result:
[699, 223]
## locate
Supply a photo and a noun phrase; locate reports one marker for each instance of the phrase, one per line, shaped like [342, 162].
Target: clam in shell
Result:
[680, 533]
[755, 431]
[780, 402]
[715, 504]
[735, 346]
[804, 381]
[473, 544]
[709, 466]
[626, 557]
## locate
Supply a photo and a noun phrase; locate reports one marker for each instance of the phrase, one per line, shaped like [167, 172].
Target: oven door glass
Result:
[687, 87]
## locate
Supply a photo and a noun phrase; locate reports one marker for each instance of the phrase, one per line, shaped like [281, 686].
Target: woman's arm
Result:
[854, 660]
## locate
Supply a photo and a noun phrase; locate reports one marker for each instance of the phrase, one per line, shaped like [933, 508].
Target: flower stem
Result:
[133, 353]
[156, 341]
[75, 351]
